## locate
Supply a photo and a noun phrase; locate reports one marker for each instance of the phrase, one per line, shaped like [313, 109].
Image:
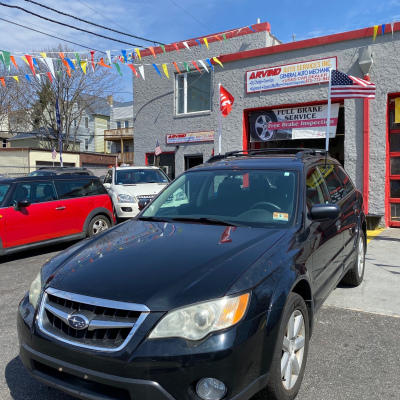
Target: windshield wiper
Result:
[206, 219]
[155, 219]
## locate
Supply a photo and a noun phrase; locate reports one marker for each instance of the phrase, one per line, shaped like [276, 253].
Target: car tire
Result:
[290, 354]
[355, 275]
[97, 225]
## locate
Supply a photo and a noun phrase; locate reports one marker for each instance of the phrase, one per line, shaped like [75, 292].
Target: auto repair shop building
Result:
[280, 100]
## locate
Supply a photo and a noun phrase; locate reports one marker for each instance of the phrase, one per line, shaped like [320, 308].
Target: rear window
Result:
[73, 188]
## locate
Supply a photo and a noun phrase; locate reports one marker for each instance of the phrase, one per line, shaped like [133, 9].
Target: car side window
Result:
[22, 191]
[333, 183]
[45, 191]
[344, 178]
[108, 177]
[315, 188]
[73, 188]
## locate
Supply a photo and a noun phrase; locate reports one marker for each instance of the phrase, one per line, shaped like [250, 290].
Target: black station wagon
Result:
[209, 293]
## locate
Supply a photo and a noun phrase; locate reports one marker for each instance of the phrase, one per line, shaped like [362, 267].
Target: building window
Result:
[193, 92]
[126, 124]
[86, 144]
[118, 124]
[86, 122]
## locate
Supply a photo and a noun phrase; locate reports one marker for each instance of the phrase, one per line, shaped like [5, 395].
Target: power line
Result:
[48, 34]
[191, 15]
[91, 23]
[69, 26]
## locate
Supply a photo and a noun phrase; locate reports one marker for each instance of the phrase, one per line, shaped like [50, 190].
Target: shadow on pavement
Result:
[23, 387]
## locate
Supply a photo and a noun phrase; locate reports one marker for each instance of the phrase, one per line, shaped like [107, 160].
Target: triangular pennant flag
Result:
[121, 59]
[383, 29]
[2, 59]
[224, 36]
[28, 78]
[13, 61]
[118, 68]
[158, 71]
[3, 82]
[165, 69]
[176, 47]
[392, 25]
[152, 52]
[44, 55]
[61, 56]
[206, 43]
[74, 61]
[218, 38]
[133, 69]
[6, 55]
[186, 45]
[103, 64]
[49, 76]
[70, 63]
[141, 70]
[176, 67]
[138, 53]
[375, 31]
[124, 55]
[38, 76]
[217, 61]
[35, 63]
[198, 41]
[83, 66]
[25, 60]
[49, 63]
[109, 56]
[252, 29]
[163, 48]
[16, 78]
[30, 63]
[69, 72]
[92, 58]
[209, 63]
[203, 65]
[77, 58]
[43, 61]
[186, 66]
[197, 67]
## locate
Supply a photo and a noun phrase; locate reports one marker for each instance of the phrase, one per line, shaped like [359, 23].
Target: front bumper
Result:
[149, 369]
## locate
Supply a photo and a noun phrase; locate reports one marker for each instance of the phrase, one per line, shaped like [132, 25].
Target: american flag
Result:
[53, 153]
[158, 149]
[349, 87]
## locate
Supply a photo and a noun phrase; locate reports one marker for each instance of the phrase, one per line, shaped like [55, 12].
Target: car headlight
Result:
[35, 290]
[180, 196]
[197, 321]
[125, 198]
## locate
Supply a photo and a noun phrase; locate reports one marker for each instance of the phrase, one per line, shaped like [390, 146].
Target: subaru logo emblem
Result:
[78, 322]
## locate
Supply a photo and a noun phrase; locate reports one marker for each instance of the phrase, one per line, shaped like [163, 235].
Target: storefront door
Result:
[394, 169]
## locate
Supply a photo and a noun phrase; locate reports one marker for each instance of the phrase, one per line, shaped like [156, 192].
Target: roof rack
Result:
[298, 152]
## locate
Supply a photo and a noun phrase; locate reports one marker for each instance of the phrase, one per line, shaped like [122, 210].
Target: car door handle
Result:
[60, 208]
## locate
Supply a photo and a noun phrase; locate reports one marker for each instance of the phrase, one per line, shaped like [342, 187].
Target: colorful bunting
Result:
[77, 58]
[165, 69]
[198, 41]
[186, 45]
[252, 29]
[392, 25]
[35, 63]
[124, 55]
[138, 53]
[118, 68]
[224, 36]
[92, 58]
[27, 77]
[163, 48]
[133, 69]
[158, 71]
[103, 64]
[217, 61]
[16, 78]
[3, 82]
[375, 31]
[61, 56]
[218, 38]
[176, 47]
[203, 65]
[70, 63]
[197, 67]
[383, 29]
[25, 60]
[209, 63]
[141, 70]
[6, 57]
[30, 63]
[13, 61]
[109, 56]
[186, 66]
[152, 52]
[83, 66]
[176, 67]
[206, 43]
[49, 76]
[50, 65]
[44, 55]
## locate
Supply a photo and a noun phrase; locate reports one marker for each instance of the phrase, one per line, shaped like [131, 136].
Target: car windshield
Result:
[3, 190]
[138, 176]
[256, 198]
[41, 173]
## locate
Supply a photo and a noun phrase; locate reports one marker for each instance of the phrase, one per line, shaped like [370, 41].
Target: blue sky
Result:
[170, 21]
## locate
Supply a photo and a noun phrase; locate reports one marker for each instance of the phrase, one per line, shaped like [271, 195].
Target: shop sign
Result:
[190, 137]
[300, 122]
[290, 75]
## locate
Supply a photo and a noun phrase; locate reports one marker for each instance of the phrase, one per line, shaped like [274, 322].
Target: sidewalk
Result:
[380, 291]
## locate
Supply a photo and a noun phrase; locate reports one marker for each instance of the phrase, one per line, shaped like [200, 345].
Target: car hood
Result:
[140, 189]
[160, 265]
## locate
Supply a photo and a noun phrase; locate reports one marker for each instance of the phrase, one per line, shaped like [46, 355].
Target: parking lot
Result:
[354, 351]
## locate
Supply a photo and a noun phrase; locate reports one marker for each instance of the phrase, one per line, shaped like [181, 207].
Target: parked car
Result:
[43, 171]
[41, 210]
[127, 185]
[210, 298]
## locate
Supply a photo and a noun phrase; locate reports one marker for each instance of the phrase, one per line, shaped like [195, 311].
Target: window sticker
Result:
[280, 216]
[286, 174]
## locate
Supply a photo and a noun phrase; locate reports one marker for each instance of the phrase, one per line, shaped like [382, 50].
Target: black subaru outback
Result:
[209, 293]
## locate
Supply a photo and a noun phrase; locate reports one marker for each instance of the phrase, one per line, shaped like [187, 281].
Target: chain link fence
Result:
[8, 171]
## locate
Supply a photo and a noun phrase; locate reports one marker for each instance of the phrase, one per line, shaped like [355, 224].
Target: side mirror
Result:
[21, 203]
[107, 185]
[143, 203]
[325, 212]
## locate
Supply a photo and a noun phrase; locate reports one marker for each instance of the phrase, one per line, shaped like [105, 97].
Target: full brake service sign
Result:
[285, 76]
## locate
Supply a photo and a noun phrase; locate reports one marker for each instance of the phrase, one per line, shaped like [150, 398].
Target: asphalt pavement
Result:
[353, 355]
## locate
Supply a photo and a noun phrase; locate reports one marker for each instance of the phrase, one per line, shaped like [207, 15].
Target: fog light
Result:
[126, 209]
[210, 389]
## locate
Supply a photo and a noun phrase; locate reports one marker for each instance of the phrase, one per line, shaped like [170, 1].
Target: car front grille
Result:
[88, 321]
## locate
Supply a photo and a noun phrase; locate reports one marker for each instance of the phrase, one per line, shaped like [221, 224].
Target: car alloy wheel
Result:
[99, 226]
[261, 126]
[355, 275]
[293, 350]
[360, 256]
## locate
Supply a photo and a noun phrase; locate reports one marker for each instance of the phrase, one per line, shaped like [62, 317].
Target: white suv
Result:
[128, 185]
